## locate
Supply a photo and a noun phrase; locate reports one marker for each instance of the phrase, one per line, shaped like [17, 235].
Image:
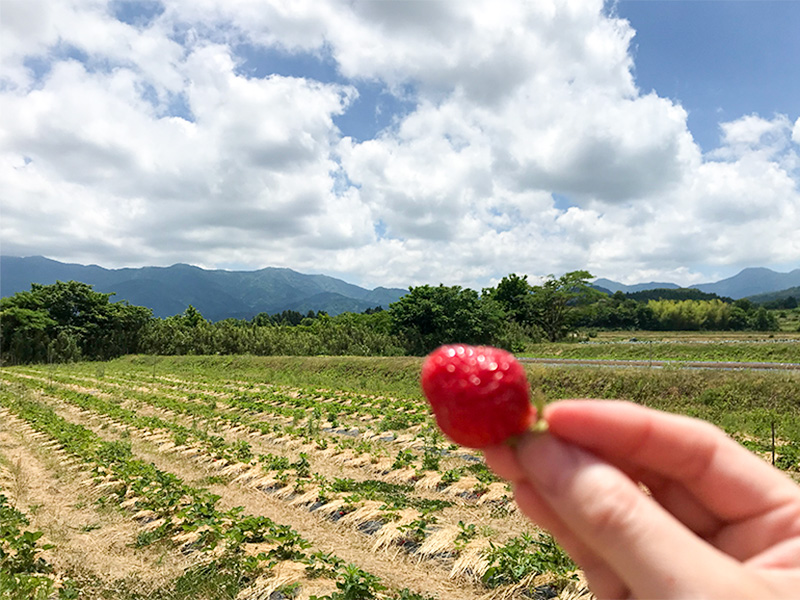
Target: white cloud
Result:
[146, 144]
[256, 167]
[753, 133]
[749, 130]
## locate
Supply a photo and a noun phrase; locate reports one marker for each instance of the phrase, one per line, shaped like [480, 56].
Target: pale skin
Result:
[716, 521]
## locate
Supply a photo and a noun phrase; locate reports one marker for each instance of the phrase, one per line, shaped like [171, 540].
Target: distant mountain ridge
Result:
[793, 292]
[217, 294]
[752, 281]
[613, 286]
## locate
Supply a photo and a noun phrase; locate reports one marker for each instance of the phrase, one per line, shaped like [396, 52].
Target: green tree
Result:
[262, 319]
[763, 320]
[514, 295]
[614, 312]
[429, 316]
[64, 348]
[67, 320]
[737, 320]
[24, 332]
[192, 318]
[554, 301]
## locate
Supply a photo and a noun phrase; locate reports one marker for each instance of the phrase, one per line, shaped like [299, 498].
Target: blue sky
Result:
[375, 108]
[721, 59]
[400, 142]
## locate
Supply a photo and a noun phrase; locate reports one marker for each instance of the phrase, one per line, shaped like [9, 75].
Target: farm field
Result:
[697, 336]
[684, 347]
[273, 477]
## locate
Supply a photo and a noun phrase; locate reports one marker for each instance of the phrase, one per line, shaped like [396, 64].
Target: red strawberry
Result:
[479, 394]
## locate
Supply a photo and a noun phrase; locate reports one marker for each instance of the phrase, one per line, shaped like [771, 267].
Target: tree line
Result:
[69, 321]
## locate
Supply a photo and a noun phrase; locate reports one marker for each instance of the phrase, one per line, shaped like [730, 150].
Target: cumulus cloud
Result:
[527, 146]
[252, 164]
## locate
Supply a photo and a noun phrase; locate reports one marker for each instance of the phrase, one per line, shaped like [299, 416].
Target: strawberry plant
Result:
[323, 564]
[302, 467]
[452, 475]
[395, 422]
[333, 417]
[432, 452]
[522, 556]
[249, 529]
[403, 459]
[416, 530]
[482, 473]
[466, 533]
[290, 543]
[241, 451]
[19, 548]
[355, 584]
[201, 512]
[272, 462]
[22, 570]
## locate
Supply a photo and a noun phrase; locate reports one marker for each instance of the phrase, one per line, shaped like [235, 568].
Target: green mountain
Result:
[217, 294]
[752, 281]
[792, 292]
[613, 286]
[748, 282]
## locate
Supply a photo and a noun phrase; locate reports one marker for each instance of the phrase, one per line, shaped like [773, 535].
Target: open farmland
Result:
[677, 347]
[226, 477]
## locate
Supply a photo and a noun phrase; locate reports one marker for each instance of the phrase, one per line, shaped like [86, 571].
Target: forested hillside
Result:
[788, 298]
[218, 294]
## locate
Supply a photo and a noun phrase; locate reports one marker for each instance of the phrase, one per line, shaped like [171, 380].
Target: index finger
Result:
[729, 480]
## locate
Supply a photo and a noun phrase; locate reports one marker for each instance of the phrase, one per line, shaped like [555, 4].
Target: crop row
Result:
[743, 403]
[292, 405]
[335, 498]
[294, 412]
[292, 402]
[310, 424]
[24, 573]
[170, 508]
[385, 510]
[769, 350]
[183, 515]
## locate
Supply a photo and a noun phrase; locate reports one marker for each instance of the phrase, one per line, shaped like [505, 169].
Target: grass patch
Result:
[388, 375]
[740, 351]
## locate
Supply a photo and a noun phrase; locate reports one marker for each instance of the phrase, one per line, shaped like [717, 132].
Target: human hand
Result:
[719, 523]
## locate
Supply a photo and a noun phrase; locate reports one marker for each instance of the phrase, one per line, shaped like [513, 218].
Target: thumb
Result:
[652, 552]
